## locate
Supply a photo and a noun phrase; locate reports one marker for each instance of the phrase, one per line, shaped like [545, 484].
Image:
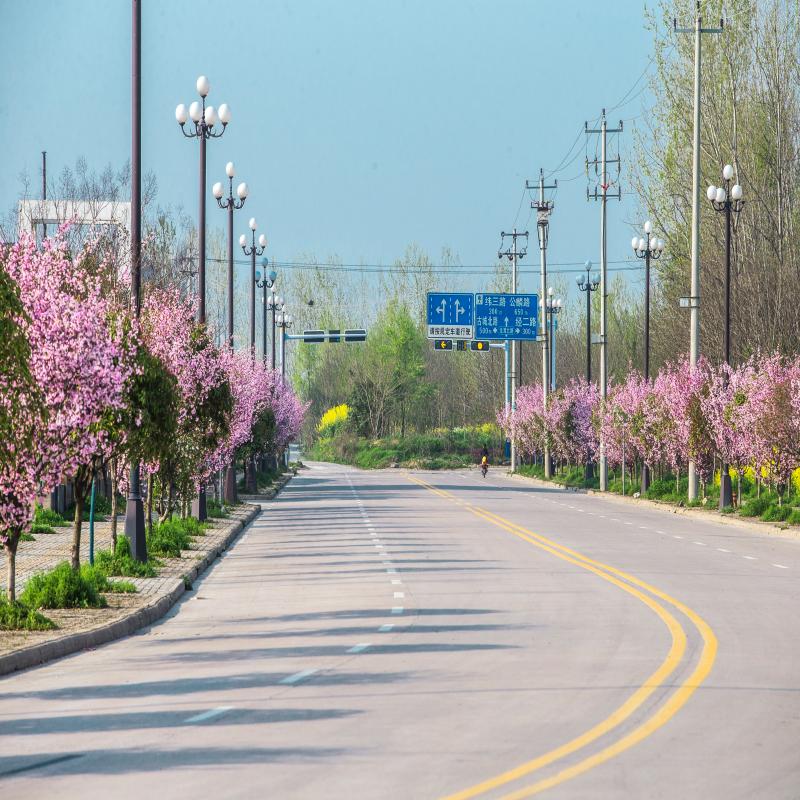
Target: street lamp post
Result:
[727, 200]
[553, 308]
[230, 204]
[204, 121]
[275, 305]
[284, 322]
[588, 284]
[267, 282]
[253, 250]
[649, 248]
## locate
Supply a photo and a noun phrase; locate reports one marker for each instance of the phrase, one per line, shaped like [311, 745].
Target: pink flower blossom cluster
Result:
[748, 416]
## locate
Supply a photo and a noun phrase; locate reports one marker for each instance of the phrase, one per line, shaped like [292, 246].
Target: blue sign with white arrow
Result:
[507, 316]
[451, 315]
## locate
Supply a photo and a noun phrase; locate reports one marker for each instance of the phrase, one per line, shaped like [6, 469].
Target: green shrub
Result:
[63, 587]
[121, 563]
[173, 535]
[214, 510]
[46, 516]
[794, 517]
[776, 513]
[38, 527]
[26, 537]
[755, 506]
[18, 617]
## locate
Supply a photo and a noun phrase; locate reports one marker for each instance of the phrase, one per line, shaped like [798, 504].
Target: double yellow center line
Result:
[654, 599]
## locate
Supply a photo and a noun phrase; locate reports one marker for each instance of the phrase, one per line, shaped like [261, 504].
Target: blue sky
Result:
[360, 127]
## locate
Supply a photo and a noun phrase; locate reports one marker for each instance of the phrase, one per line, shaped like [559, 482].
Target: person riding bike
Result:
[484, 461]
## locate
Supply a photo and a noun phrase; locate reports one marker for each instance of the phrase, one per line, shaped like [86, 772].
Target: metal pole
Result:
[230, 272]
[134, 508]
[548, 467]
[553, 325]
[645, 469]
[272, 363]
[588, 329]
[283, 351]
[201, 233]
[44, 188]
[513, 349]
[694, 302]
[264, 313]
[725, 488]
[603, 296]
[253, 303]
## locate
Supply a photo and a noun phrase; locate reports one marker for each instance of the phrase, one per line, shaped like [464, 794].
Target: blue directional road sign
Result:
[451, 315]
[507, 316]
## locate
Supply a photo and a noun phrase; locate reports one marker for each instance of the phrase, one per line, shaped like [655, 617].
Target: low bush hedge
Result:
[173, 535]
[19, 617]
[46, 516]
[121, 563]
[64, 587]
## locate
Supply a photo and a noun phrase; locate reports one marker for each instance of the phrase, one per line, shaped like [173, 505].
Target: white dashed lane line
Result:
[385, 628]
[359, 648]
[290, 680]
[702, 544]
[750, 558]
[780, 566]
[206, 715]
[397, 609]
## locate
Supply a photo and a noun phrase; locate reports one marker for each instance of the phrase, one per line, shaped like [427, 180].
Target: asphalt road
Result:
[431, 635]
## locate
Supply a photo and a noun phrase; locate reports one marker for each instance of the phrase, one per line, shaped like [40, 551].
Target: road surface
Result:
[434, 635]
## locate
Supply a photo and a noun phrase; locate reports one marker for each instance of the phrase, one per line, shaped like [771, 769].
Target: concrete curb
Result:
[270, 494]
[768, 528]
[139, 618]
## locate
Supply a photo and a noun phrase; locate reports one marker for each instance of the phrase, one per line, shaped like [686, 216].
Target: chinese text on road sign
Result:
[451, 315]
[506, 316]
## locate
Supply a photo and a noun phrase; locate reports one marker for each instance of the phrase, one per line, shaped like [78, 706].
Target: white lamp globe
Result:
[550, 292]
[252, 223]
[648, 226]
[654, 243]
[211, 116]
[203, 87]
[262, 241]
[217, 190]
[736, 192]
[230, 171]
[279, 300]
[660, 245]
[711, 192]
[721, 195]
[242, 240]
[196, 111]
[642, 244]
[181, 114]
[581, 281]
[596, 278]
[727, 172]
[242, 190]
[635, 243]
[224, 114]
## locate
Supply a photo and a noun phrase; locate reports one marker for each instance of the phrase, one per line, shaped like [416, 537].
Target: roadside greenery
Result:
[120, 562]
[19, 617]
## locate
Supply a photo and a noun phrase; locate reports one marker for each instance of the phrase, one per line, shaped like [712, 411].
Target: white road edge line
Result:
[298, 676]
[214, 712]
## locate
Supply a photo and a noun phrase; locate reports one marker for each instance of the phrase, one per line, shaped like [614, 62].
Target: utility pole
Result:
[694, 299]
[603, 196]
[543, 210]
[513, 253]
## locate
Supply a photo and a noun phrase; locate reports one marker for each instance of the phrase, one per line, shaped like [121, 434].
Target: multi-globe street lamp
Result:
[275, 305]
[649, 248]
[266, 280]
[727, 200]
[284, 322]
[553, 308]
[588, 283]
[203, 127]
[230, 204]
[253, 250]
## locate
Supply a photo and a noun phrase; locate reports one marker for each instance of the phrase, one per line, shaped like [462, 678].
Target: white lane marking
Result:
[214, 712]
[659, 531]
[750, 558]
[602, 516]
[571, 507]
[397, 609]
[613, 519]
[581, 511]
[702, 544]
[399, 595]
[629, 523]
[359, 648]
[392, 571]
[643, 528]
[397, 583]
[780, 566]
[677, 537]
[385, 628]
[298, 676]
[723, 550]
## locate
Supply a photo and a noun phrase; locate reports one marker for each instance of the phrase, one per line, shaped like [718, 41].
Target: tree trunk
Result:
[11, 565]
[113, 507]
[149, 505]
[76, 528]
